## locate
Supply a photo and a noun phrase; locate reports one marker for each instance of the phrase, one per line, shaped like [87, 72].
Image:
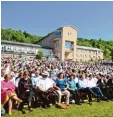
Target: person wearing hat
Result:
[43, 85]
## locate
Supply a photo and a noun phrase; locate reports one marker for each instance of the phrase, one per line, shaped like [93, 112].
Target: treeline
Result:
[19, 36]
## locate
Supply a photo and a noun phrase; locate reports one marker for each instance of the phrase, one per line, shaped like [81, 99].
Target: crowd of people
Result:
[46, 82]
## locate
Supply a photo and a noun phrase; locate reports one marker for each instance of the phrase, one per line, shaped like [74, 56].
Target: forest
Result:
[23, 36]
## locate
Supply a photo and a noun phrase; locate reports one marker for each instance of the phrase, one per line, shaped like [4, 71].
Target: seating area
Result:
[46, 84]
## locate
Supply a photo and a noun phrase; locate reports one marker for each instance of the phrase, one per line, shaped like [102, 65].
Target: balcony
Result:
[56, 39]
[68, 50]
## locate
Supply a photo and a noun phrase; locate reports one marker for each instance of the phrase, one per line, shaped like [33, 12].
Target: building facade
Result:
[63, 42]
[25, 49]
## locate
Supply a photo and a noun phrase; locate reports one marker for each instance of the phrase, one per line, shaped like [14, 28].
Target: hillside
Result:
[19, 36]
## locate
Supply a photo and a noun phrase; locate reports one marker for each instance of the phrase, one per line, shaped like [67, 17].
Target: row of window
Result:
[89, 56]
[27, 50]
[18, 49]
[88, 51]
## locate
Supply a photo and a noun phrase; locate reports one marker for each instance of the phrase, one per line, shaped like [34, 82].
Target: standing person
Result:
[61, 85]
[8, 93]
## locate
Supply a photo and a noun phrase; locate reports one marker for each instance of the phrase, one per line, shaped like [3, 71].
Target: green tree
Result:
[112, 55]
[39, 55]
[107, 54]
[19, 36]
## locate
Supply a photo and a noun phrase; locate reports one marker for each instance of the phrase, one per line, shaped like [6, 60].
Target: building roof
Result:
[88, 48]
[71, 27]
[55, 30]
[18, 43]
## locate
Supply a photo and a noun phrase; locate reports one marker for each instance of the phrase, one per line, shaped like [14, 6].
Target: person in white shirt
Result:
[35, 77]
[44, 85]
[82, 84]
[91, 83]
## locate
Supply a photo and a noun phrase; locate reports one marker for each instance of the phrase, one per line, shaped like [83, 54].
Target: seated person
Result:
[109, 85]
[45, 89]
[8, 93]
[91, 83]
[26, 90]
[73, 89]
[35, 77]
[82, 84]
[61, 85]
[20, 76]
[102, 80]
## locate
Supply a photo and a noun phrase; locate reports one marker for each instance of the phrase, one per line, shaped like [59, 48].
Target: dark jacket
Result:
[110, 83]
[22, 89]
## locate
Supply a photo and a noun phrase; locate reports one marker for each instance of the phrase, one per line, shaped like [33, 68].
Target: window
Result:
[8, 48]
[68, 45]
[69, 33]
[57, 34]
[2, 48]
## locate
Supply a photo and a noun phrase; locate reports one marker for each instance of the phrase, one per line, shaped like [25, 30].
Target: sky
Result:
[93, 20]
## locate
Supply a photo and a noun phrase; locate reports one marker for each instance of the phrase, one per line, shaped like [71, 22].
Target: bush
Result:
[39, 55]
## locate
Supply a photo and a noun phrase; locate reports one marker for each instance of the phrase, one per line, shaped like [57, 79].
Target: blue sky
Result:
[92, 19]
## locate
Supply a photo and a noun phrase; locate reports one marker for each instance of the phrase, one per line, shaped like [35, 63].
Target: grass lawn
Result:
[103, 109]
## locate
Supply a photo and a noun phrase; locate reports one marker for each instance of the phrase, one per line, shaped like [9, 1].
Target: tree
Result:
[39, 55]
[107, 54]
[112, 55]
[18, 36]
